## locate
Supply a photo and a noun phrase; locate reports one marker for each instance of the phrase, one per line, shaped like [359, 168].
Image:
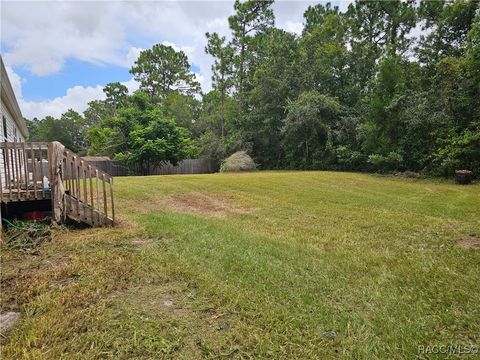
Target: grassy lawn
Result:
[260, 265]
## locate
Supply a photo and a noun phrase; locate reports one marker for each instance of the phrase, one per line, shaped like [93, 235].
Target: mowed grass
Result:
[259, 265]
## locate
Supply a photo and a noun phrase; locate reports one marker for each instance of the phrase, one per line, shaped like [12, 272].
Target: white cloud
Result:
[132, 55]
[188, 50]
[42, 36]
[205, 83]
[219, 25]
[294, 27]
[131, 85]
[16, 81]
[76, 98]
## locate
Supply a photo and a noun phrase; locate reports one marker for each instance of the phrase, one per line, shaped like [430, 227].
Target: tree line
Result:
[383, 86]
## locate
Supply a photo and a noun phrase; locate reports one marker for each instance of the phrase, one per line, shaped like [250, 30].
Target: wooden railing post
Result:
[55, 160]
[111, 198]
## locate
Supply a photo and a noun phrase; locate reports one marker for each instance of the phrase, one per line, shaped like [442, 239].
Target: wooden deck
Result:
[48, 171]
[25, 195]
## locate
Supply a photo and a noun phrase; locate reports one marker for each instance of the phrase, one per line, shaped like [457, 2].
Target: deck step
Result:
[80, 212]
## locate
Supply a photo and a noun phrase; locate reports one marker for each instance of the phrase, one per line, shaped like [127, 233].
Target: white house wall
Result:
[13, 134]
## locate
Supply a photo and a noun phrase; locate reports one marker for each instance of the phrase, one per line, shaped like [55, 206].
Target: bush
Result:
[393, 161]
[459, 152]
[239, 161]
[348, 159]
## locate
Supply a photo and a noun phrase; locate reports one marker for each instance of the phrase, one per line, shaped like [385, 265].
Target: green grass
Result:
[374, 259]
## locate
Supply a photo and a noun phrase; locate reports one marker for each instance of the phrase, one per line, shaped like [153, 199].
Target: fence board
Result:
[188, 166]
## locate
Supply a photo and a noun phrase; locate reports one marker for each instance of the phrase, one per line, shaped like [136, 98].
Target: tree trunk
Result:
[306, 144]
[222, 115]
[242, 54]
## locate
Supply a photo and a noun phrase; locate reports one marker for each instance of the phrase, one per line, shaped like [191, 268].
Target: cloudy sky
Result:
[59, 55]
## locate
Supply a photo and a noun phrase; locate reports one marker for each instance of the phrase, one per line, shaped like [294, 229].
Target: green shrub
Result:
[393, 161]
[459, 152]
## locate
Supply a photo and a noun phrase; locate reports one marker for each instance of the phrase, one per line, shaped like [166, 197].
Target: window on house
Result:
[14, 134]
[5, 135]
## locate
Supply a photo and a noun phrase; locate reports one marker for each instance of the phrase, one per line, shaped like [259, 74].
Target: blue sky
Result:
[74, 72]
[59, 55]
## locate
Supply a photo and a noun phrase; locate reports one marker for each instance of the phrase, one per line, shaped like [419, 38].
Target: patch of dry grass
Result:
[469, 243]
[204, 204]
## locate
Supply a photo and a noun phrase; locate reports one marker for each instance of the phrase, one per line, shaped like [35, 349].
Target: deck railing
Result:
[88, 191]
[37, 170]
[24, 171]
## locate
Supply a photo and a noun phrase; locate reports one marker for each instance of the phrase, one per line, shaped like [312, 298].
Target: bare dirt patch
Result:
[205, 204]
[140, 241]
[172, 307]
[469, 243]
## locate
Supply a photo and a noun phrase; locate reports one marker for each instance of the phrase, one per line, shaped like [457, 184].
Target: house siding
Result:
[13, 135]
[13, 132]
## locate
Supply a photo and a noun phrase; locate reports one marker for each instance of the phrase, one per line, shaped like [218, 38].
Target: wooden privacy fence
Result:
[188, 166]
[37, 171]
[111, 167]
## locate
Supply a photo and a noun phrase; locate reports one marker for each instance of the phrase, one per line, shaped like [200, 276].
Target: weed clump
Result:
[239, 161]
[25, 236]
